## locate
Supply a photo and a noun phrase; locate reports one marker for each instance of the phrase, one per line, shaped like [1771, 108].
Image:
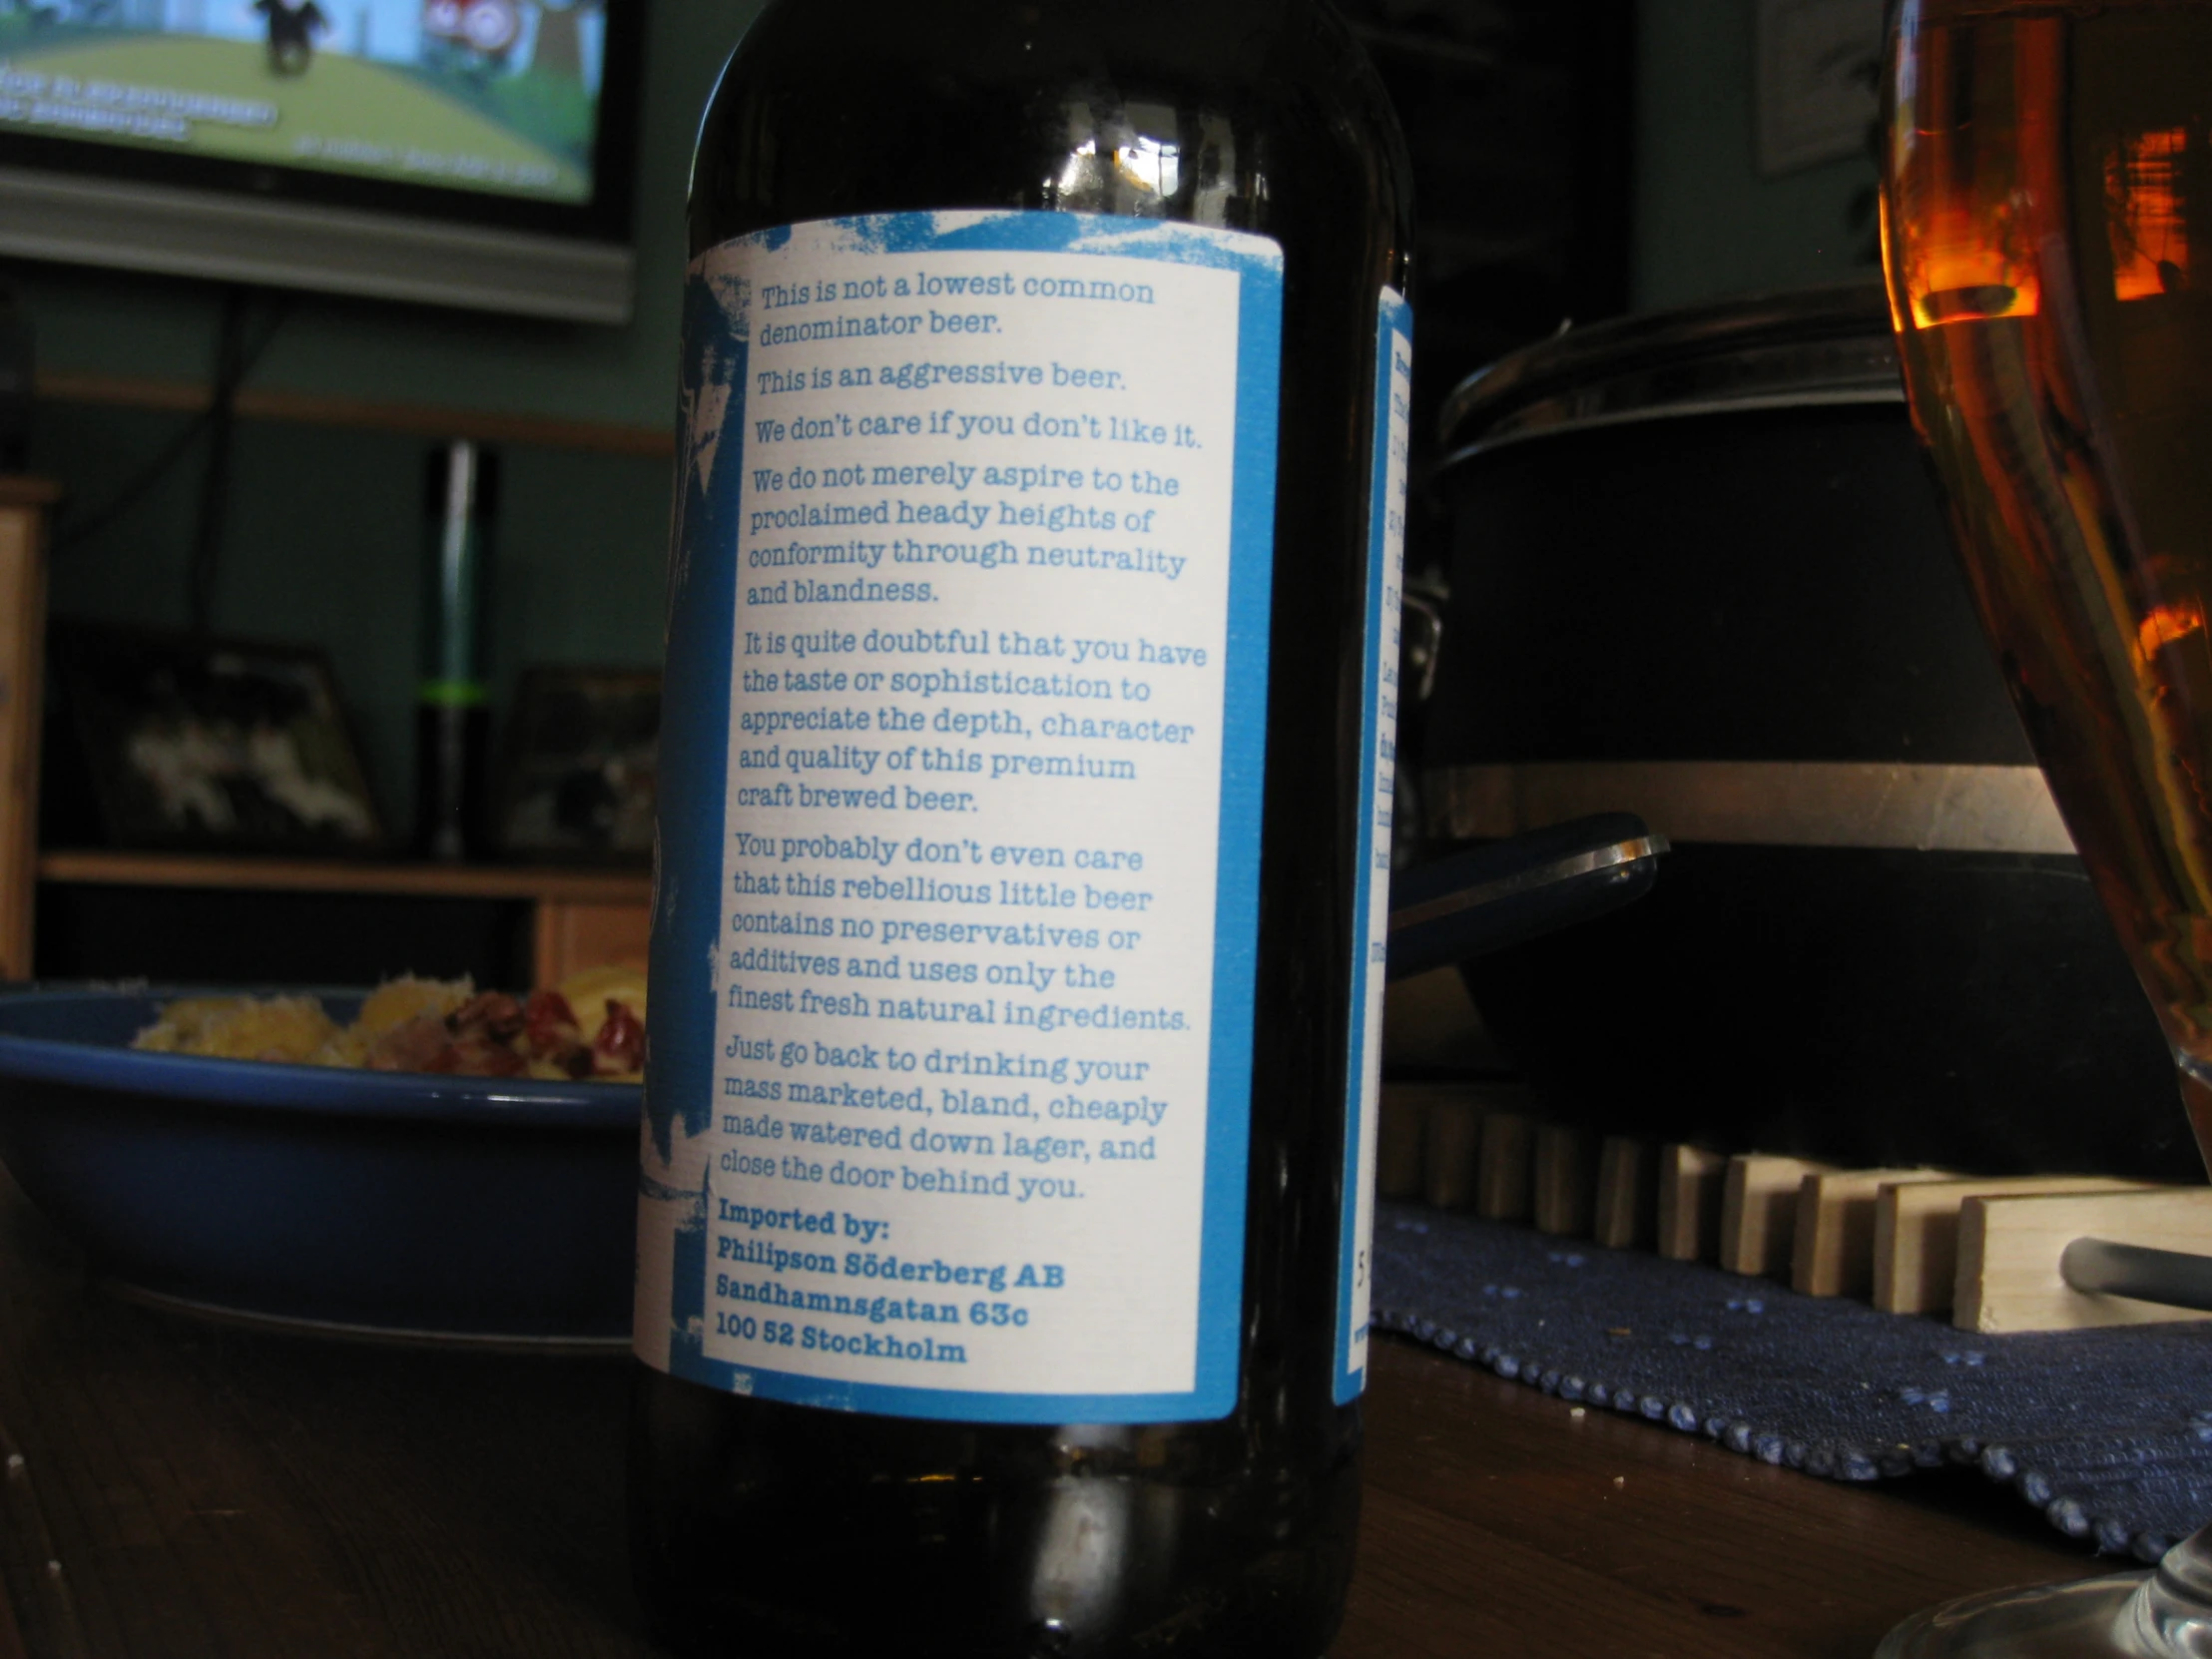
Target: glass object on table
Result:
[452, 718]
[2047, 231]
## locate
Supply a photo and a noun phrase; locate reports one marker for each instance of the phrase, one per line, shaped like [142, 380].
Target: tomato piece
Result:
[487, 1057]
[550, 1026]
[620, 1045]
[420, 1044]
[492, 1014]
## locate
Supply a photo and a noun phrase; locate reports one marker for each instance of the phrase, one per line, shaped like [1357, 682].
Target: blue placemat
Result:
[2108, 1433]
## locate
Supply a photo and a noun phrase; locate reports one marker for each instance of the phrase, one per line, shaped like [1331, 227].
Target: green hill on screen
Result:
[343, 115]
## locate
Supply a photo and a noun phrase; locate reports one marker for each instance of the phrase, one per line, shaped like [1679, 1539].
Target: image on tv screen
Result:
[497, 96]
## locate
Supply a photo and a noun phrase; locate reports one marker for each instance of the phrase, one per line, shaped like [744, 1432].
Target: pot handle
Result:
[1475, 903]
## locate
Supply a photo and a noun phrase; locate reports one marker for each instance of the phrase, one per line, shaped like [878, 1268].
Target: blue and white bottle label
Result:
[953, 958]
[1393, 382]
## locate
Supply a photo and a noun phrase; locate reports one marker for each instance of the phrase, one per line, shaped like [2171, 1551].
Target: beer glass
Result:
[2048, 234]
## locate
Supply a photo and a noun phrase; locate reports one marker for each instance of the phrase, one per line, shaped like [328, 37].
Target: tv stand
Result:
[575, 919]
[570, 919]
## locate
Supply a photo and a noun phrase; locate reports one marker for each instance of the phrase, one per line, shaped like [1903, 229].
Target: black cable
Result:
[73, 532]
[214, 478]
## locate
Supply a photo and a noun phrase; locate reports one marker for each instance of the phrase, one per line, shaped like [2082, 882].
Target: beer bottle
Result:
[1024, 833]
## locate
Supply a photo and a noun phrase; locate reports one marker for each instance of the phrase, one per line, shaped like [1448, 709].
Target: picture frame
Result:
[212, 745]
[579, 766]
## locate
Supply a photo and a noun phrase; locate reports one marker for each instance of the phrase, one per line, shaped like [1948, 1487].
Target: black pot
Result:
[1701, 574]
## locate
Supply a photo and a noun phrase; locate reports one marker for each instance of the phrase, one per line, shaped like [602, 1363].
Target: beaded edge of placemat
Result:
[1486, 1321]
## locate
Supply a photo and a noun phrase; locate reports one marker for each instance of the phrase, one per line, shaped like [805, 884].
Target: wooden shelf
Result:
[118, 392]
[171, 870]
[23, 505]
[19, 490]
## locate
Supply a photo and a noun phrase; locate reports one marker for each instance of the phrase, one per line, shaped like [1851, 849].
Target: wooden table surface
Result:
[177, 1489]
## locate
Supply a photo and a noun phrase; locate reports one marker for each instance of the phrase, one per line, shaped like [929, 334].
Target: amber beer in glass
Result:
[2047, 232]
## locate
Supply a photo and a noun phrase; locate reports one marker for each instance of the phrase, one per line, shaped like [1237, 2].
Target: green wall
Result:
[325, 525]
[1706, 222]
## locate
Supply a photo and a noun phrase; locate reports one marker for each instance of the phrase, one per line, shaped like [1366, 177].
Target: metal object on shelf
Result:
[2171, 1277]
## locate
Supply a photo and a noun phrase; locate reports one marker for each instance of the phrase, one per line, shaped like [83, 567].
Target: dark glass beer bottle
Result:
[1024, 829]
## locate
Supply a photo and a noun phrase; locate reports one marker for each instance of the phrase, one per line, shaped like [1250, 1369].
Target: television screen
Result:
[510, 115]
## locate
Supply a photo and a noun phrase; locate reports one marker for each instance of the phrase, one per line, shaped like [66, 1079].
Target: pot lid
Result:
[1798, 348]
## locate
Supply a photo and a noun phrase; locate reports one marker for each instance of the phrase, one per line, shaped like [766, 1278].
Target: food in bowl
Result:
[589, 1026]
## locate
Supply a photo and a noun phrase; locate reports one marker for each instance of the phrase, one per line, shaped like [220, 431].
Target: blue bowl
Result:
[381, 1202]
